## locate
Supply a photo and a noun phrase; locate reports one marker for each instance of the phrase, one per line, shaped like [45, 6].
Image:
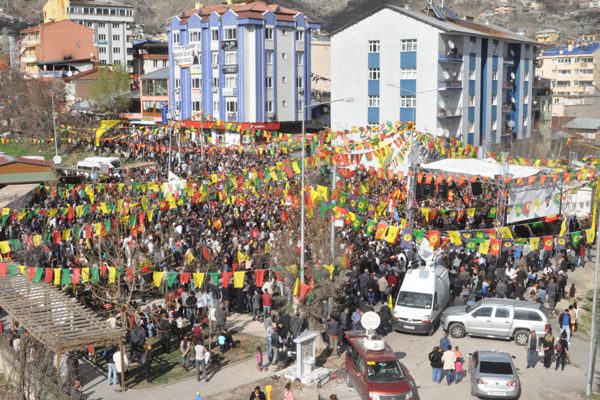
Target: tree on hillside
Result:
[111, 90]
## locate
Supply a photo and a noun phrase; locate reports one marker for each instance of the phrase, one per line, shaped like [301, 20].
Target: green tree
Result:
[111, 91]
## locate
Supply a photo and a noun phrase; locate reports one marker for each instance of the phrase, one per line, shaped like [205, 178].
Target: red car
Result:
[376, 374]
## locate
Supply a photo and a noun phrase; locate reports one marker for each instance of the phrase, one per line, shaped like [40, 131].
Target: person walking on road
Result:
[562, 352]
[564, 321]
[287, 393]
[445, 342]
[449, 364]
[200, 360]
[435, 360]
[532, 350]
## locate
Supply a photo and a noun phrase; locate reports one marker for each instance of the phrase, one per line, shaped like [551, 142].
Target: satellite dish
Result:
[439, 132]
[511, 123]
[451, 44]
[446, 132]
[442, 103]
[56, 159]
[446, 75]
[370, 320]
[512, 76]
[512, 52]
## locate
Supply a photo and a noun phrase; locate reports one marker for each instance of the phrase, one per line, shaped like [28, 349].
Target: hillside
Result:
[567, 15]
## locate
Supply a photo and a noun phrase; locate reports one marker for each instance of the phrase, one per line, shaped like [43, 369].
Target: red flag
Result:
[103, 269]
[205, 253]
[259, 277]
[76, 277]
[495, 246]
[48, 275]
[548, 243]
[71, 213]
[254, 232]
[304, 289]
[129, 274]
[226, 277]
[434, 238]
[184, 277]
[30, 273]
[56, 237]
[3, 268]
[284, 217]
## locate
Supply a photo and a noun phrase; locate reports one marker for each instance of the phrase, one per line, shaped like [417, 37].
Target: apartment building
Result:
[246, 62]
[451, 76]
[111, 21]
[574, 72]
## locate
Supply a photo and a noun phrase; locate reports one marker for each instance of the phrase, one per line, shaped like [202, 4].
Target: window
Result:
[230, 57]
[215, 81]
[196, 106]
[284, 56]
[495, 368]
[494, 100]
[483, 312]
[269, 82]
[408, 73]
[117, 62]
[231, 82]
[116, 25]
[408, 45]
[102, 50]
[89, 24]
[299, 106]
[195, 36]
[176, 37]
[299, 82]
[116, 50]
[177, 83]
[230, 34]
[283, 32]
[102, 61]
[101, 25]
[155, 63]
[373, 46]
[300, 35]
[116, 38]
[231, 106]
[102, 36]
[373, 101]
[215, 107]
[196, 83]
[299, 58]
[269, 56]
[284, 103]
[269, 106]
[269, 33]
[502, 312]
[525, 315]
[472, 100]
[495, 75]
[284, 79]
[214, 34]
[408, 101]
[215, 58]
[374, 74]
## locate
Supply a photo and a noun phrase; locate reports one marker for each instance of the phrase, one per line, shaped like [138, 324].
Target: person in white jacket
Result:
[120, 367]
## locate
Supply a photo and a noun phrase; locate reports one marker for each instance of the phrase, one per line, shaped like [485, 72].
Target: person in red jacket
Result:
[266, 303]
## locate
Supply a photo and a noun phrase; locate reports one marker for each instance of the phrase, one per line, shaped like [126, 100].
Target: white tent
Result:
[472, 166]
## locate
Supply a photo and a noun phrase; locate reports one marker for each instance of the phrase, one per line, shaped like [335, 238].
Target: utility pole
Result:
[592, 349]
[333, 182]
[54, 126]
[170, 147]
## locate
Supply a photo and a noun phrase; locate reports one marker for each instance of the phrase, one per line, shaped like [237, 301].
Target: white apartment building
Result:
[111, 20]
[451, 76]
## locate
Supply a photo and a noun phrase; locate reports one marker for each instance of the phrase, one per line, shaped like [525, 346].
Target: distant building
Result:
[57, 49]
[537, 6]
[542, 107]
[548, 36]
[573, 71]
[451, 76]
[504, 10]
[246, 62]
[321, 68]
[150, 56]
[111, 21]
[595, 4]
[154, 93]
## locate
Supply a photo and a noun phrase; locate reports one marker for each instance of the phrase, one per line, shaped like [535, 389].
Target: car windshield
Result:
[414, 300]
[473, 306]
[384, 371]
[495, 367]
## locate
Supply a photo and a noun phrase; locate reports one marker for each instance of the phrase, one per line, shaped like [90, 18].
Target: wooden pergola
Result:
[51, 317]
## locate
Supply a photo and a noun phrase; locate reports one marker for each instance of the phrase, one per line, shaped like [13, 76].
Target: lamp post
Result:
[306, 107]
[591, 351]
[54, 127]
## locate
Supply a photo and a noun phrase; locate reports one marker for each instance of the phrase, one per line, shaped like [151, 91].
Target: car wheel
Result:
[457, 330]
[521, 337]
[348, 381]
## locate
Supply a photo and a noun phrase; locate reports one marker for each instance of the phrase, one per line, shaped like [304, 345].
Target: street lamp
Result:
[302, 184]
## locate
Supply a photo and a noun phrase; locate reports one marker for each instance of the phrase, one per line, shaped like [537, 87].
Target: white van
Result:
[424, 294]
[101, 165]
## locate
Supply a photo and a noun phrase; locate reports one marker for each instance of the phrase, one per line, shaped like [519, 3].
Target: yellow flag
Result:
[238, 279]
[241, 257]
[563, 227]
[484, 247]
[425, 212]
[98, 228]
[392, 234]
[505, 232]
[85, 275]
[112, 275]
[66, 235]
[470, 212]
[4, 247]
[589, 236]
[157, 278]
[22, 268]
[455, 237]
[323, 192]
[5, 212]
[57, 276]
[534, 243]
[198, 279]
[330, 268]
[297, 287]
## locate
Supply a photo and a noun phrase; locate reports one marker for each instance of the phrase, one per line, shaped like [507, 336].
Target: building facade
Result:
[548, 36]
[111, 21]
[44, 51]
[452, 77]
[154, 92]
[574, 72]
[246, 62]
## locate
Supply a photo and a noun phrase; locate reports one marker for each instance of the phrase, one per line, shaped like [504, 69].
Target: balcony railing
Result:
[508, 84]
[444, 113]
[452, 84]
[508, 107]
[509, 61]
[451, 56]
[231, 116]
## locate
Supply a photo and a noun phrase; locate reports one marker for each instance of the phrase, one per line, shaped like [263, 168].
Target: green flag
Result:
[107, 225]
[357, 224]
[492, 212]
[214, 277]
[65, 276]
[13, 269]
[38, 274]
[576, 238]
[171, 278]
[322, 208]
[95, 274]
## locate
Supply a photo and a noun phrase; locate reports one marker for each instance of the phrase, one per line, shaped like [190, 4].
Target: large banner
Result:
[530, 203]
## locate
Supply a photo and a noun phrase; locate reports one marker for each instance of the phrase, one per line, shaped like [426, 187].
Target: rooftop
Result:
[105, 3]
[571, 50]
[584, 123]
[158, 74]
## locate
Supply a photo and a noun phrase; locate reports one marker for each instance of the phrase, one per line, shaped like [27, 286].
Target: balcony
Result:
[229, 92]
[445, 113]
[230, 69]
[451, 84]
[509, 61]
[52, 74]
[229, 45]
[28, 59]
[508, 107]
[231, 117]
[451, 56]
[506, 84]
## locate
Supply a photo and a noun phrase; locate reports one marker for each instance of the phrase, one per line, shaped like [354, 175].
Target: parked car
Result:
[496, 318]
[376, 374]
[493, 375]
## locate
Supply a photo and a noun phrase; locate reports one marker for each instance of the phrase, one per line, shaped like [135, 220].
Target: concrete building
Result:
[154, 93]
[246, 62]
[111, 21]
[57, 49]
[150, 56]
[574, 72]
[548, 36]
[451, 76]
[595, 4]
[504, 10]
[321, 68]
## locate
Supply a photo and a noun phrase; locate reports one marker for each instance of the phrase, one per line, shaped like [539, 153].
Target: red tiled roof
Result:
[254, 9]
[6, 159]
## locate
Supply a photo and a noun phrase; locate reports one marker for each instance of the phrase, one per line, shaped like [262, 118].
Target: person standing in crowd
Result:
[76, 392]
[266, 302]
[548, 347]
[448, 365]
[121, 366]
[564, 321]
[562, 352]
[287, 393]
[332, 334]
[445, 342]
[164, 330]
[185, 349]
[259, 360]
[146, 361]
[257, 394]
[435, 360]
[200, 357]
[532, 350]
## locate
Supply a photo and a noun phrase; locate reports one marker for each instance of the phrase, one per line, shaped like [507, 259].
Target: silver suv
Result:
[496, 318]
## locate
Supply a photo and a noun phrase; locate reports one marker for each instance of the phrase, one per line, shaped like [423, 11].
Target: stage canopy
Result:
[472, 166]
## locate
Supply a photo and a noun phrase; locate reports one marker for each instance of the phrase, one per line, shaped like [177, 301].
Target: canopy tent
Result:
[53, 318]
[474, 167]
